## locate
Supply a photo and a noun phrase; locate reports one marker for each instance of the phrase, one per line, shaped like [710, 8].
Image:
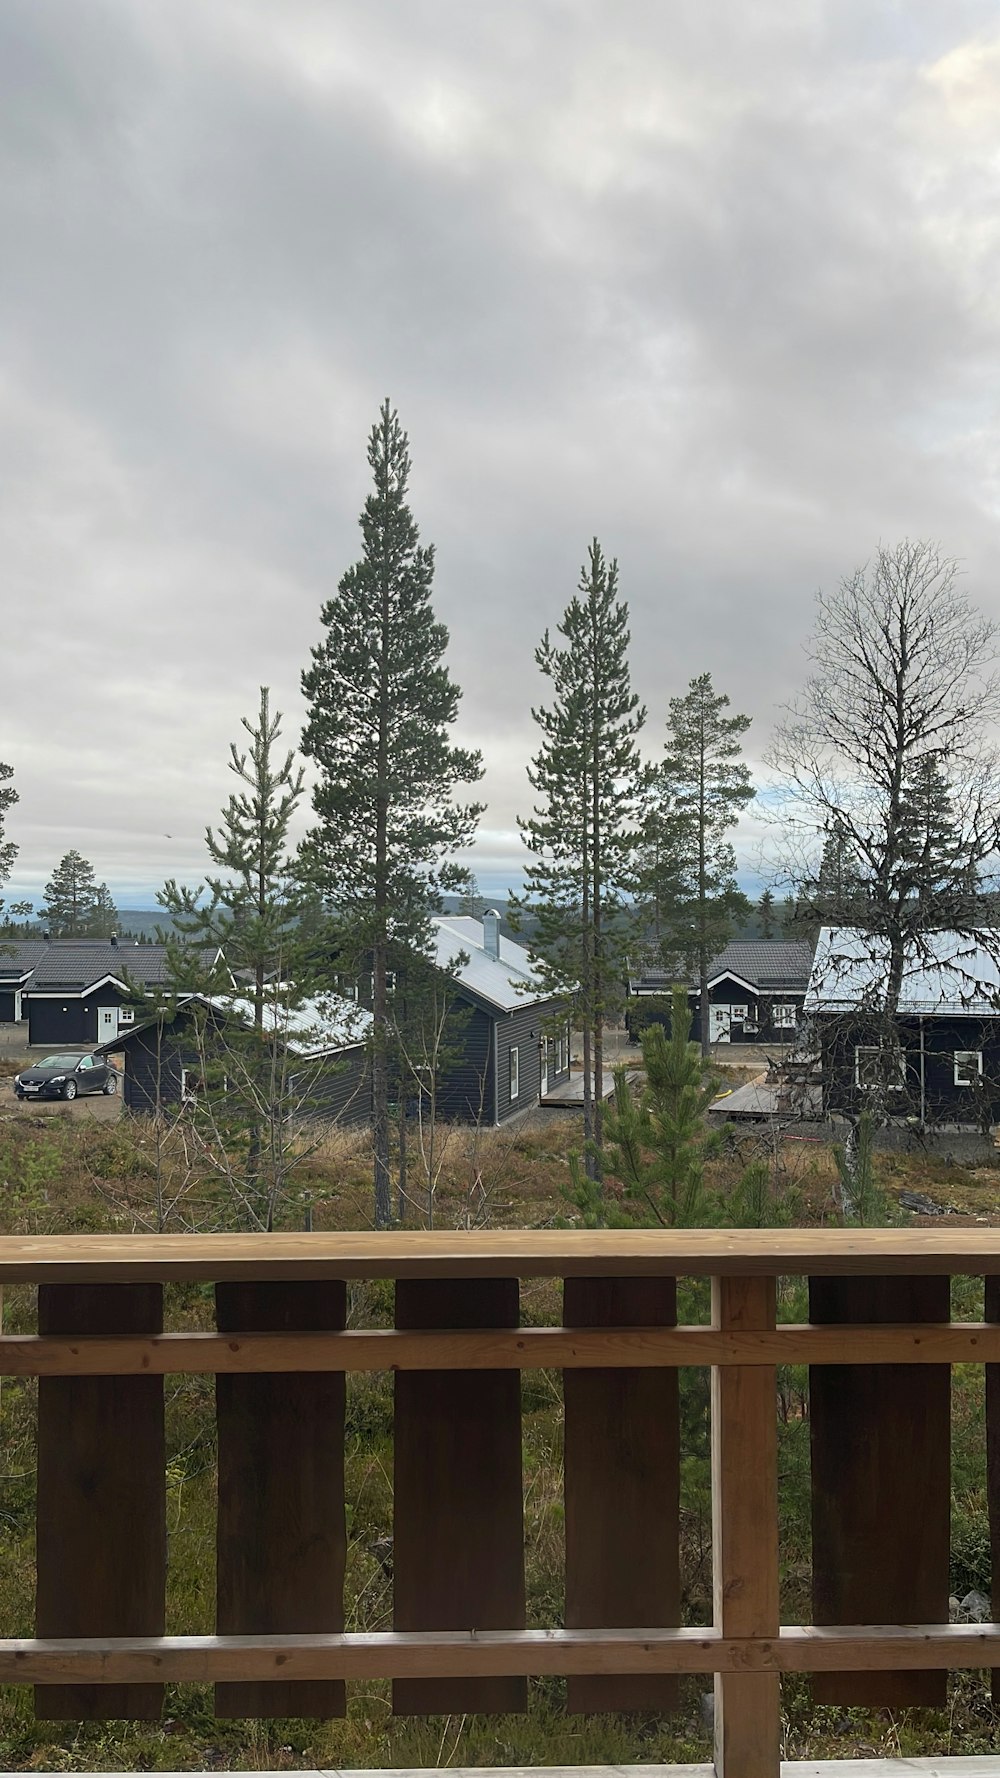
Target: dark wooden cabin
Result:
[937, 1061]
[18, 958]
[756, 992]
[513, 1040]
[326, 1044]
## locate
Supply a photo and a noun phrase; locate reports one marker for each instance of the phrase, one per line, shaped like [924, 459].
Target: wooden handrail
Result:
[548, 1253]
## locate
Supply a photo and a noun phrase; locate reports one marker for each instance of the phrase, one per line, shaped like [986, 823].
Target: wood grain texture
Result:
[101, 1498]
[129, 1660]
[745, 1534]
[559, 1348]
[881, 1486]
[503, 1253]
[281, 1533]
[991, 1309]
[556, 1348]
[458, 1518]
[622, 1489]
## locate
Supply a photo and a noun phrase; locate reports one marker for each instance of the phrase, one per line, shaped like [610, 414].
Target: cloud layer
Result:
[715, 283]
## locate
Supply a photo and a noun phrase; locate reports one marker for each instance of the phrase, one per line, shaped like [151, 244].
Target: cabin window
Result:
[126, 1015]
[968, 1067]
[514, 1073]
[740, 1014]
[879, 1066]
[190, 1086]
[390, 982]
[784, 1017]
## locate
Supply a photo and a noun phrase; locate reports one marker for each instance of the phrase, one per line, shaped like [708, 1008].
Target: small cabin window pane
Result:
[739, 1013]
[514, 1073]
[126, 1015]
[879, 1066]
[968, 1067]
[784, 1016]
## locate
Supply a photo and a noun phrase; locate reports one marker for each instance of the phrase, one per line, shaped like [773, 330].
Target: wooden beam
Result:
[125, 1259]
[131, 1660]
[621, 1489]
[745, 1533]
[281, 1539]
[880, 1446]
[101, 1536]
[458, 1497]
[556, 1348]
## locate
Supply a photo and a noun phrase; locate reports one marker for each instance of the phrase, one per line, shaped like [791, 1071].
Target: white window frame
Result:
[188, 1095]
[514, 1076]
[739, 1014]
[879, 1049]
[785, 1016]
[126, 1015]
[967, 1063]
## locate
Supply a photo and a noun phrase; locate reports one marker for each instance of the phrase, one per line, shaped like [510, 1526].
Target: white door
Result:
[543, 1085]
[107, 1023]
[718, 1024]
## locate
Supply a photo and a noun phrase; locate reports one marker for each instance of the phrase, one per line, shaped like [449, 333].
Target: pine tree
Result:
[8, 799]
[250, 914]
[766, 915]
[102, 920]
[700, 791]
[656, 1143]
[381, 705]
[69, 897]
[583, 834]
[934, 868]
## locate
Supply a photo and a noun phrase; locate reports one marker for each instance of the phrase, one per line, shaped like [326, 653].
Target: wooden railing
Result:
[879, 1344]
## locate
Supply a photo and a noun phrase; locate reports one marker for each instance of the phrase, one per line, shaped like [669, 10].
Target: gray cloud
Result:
[715, 283]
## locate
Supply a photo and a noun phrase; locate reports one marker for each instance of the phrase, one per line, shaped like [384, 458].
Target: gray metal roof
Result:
[952, 974]
[75, 966]
[506, 983]
[772, 965]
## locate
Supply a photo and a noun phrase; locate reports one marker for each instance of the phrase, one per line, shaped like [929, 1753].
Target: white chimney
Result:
[491, 933]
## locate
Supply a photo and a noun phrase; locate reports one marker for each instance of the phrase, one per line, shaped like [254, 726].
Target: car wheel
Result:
[111, 1086]
[18, 1093]
[69, 1090]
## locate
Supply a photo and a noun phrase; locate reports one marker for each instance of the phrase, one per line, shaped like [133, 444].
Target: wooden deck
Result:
[570, 1092]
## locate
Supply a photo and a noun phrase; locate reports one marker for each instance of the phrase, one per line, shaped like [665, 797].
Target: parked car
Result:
[63, 1077]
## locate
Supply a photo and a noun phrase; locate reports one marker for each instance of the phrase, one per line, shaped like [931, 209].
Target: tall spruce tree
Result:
[69, 897]
[699, 793]
[8, 799]
[381, 707]
[248, 910]
[766, 915]
[583, 834]
[103, 918]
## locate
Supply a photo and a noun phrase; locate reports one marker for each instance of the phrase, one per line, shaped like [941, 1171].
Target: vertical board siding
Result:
[992, 1313]
[101, 1498]
[458, 1555]
[281, 1534]
[881, 1485]
[622, 1485]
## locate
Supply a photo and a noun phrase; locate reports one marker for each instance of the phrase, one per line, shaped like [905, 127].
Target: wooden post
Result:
[745, 1533]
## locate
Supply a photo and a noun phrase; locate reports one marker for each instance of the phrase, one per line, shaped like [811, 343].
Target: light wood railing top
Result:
[556, 1253]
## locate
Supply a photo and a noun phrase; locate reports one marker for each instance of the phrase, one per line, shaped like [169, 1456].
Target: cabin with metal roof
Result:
[17, 961]
[328, 1079]
[513, 1042]
[936, 1060]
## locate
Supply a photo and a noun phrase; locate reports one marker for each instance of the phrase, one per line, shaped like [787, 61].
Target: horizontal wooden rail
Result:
[545, 1253]
[418, 1655]
[556, 1348]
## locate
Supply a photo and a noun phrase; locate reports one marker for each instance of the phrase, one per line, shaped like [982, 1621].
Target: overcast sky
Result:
[716, 282]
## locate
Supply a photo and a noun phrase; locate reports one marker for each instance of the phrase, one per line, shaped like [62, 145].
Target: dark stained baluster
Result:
[622, 1484]
[992, 1313]
[881, 1485]
[281, 1536]
[101, 1498]
[458, 1556]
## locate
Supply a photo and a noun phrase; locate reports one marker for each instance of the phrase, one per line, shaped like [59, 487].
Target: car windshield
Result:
[58, 1062]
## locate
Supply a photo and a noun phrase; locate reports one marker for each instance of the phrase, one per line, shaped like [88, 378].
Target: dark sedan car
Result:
[63, 1077]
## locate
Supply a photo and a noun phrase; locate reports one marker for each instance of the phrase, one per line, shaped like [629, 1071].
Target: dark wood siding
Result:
[336, 1089]
[522, 1029]
[153, 1064]
[8, 1006]
[466, 1090]
[941, 1101]
[71, 1020]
